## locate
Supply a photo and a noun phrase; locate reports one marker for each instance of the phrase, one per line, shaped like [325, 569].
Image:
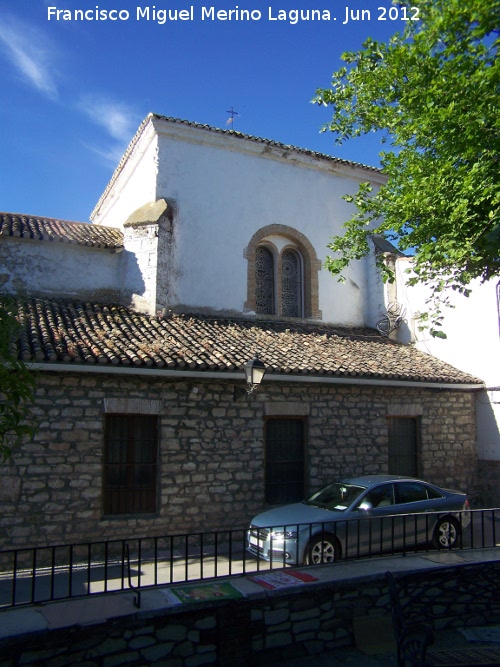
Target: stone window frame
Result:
[311, 266]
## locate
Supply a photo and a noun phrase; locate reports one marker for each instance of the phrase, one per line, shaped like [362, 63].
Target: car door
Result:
[372, 532]
[412, 526]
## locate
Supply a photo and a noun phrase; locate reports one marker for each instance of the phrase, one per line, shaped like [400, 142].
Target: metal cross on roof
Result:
[232, 113]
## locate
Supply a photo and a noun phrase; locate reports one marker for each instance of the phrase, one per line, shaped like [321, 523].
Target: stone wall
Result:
[243, 632]
[257, 631]
[211, 450]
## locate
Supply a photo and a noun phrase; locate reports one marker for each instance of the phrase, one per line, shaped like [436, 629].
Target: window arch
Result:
[282, 274]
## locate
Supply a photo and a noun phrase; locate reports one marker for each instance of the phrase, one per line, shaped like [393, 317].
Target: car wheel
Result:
[446, 533]
[322, 549]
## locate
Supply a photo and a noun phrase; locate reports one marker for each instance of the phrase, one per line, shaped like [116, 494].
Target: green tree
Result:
[432, 92]
[17, 385]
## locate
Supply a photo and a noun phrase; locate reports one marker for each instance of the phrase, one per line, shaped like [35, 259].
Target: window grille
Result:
[284, 463]
[130, 464]
[291, 284]
[404, 435]
[264, 281]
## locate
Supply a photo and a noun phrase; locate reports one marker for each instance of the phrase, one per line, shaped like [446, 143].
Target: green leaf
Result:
[17, 385]
[438, 334]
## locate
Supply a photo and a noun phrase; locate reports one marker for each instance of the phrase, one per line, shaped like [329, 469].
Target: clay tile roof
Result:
[50, 229]
[263, 140]
[89, 333]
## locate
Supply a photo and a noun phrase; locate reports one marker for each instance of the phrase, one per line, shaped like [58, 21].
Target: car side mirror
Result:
[365, 506]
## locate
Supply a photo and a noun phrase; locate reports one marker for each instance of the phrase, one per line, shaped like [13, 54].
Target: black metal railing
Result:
[59, 572]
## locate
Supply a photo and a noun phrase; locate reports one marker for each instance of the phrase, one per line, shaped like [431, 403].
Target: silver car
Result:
[358, 517]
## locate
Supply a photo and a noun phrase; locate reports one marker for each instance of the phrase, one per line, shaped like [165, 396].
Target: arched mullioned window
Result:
[264, 281]
[278, 290]
[282, 274]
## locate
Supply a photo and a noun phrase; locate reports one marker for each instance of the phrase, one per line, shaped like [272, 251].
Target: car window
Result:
[411, 492]
[336, 496]
[433, 493]
[381, 496]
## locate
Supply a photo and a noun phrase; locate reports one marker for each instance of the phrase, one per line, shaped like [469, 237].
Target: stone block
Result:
[201, 659]
[120, 659]
[108, 646]
[141, 642]
[278, 639]
[172, 632]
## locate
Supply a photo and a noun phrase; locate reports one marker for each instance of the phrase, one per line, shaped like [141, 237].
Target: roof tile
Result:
[49, 229]
[63, 331]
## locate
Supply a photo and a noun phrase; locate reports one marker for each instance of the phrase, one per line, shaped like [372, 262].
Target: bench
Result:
[425, 603]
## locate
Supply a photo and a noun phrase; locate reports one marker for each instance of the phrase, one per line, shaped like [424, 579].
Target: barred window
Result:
[130, 464]
[404, 434]
[284, 464]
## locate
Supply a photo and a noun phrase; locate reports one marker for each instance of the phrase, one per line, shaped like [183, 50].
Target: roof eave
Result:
[238, 376]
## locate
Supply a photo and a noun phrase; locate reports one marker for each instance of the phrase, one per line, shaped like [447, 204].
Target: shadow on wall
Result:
[132, 285]
[488, 446]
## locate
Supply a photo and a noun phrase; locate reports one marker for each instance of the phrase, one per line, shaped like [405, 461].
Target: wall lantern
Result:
[254, 372]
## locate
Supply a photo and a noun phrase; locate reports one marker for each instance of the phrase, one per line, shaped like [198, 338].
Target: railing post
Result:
[14, 581]
[33, 583]
[126, 559]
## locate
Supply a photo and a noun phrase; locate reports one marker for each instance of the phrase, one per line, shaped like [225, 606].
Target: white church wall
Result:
[133, 184]
[62, 269]
[226, 189]
[472, 344]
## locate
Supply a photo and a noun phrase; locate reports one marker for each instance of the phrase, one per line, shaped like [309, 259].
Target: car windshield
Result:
[335, 497]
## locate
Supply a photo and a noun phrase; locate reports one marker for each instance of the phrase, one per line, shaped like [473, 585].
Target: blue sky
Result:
[74, 92]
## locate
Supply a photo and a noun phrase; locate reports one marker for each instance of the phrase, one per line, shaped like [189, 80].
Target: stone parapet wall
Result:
[256, 631]
[244, 632]
[211, 450]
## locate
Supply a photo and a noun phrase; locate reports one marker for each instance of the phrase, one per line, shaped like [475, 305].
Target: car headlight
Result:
[284, 535]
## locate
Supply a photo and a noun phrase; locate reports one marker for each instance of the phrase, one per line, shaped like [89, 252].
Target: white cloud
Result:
[111, 155]
[35, 58]
[117, 119]
[30, 52]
